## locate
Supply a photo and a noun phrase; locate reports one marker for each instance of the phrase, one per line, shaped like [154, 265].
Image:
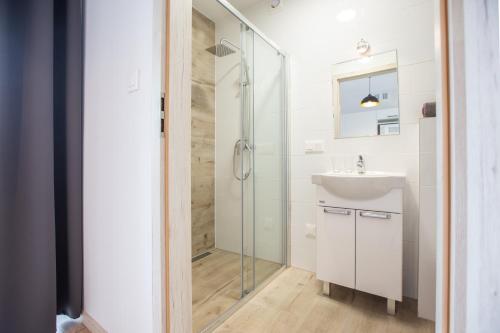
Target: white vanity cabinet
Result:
[360, 239]
[336, 245]
[379, 253]
[362, 250]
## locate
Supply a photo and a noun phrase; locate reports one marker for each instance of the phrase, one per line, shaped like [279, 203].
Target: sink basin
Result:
[354, 186]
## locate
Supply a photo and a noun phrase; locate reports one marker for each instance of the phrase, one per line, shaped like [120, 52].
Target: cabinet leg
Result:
[326, 288]
[391, 307]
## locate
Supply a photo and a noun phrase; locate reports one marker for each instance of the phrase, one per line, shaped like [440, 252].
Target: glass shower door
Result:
[264, 191]
[269, 158]
[238, 159]
[247, 140]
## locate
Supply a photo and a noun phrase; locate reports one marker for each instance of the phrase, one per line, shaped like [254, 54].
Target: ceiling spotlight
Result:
[346, 15]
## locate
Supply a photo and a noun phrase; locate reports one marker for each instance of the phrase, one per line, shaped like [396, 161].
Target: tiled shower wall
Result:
[314, 40]
[202, 136]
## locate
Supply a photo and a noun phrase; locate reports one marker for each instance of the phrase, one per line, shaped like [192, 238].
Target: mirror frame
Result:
[338, 77]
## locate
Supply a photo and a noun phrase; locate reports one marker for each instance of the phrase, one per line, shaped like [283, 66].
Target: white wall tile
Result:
[303, 166]
[405, 80]
[423, 77]
[302, 190]
[304, 249]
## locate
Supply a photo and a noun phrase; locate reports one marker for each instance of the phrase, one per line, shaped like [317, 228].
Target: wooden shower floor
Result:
[217, 284]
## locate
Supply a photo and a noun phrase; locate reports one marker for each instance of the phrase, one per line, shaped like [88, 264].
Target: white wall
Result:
[122, 166]
[315, 40]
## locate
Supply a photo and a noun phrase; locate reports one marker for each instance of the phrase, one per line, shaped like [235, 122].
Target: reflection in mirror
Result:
[366, 100]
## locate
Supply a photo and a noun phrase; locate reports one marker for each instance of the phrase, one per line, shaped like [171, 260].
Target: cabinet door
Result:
[336, 245]
[379, 254]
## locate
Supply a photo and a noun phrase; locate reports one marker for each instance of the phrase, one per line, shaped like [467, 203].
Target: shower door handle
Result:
[240, 152]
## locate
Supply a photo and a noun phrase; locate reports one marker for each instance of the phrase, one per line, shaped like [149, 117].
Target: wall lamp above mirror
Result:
[366, 96]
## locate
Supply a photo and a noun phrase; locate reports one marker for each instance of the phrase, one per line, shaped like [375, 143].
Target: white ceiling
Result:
[245, 3]
[214, 11]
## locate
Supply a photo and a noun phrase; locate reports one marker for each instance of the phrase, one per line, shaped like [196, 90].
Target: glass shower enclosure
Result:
[263, 162]
[240, 160]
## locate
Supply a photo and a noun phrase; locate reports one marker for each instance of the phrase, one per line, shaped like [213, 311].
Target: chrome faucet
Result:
[360, 165]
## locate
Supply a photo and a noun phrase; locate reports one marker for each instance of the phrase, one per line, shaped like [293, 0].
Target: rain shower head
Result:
[221, 49]
[225, 48]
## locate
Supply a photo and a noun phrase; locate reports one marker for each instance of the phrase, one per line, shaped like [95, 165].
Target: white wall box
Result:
[427, 220]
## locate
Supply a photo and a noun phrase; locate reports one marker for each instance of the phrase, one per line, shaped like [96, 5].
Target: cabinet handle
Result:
[376, 215]
[337, 211]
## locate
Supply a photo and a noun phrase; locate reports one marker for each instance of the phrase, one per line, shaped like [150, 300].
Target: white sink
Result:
[355, 186]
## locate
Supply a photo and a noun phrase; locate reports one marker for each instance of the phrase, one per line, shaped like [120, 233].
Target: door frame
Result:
[177, 174]
[474, 72]
[443, 167]
[177, 251]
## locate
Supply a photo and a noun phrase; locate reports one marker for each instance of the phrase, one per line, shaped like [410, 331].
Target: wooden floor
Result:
[217, 283]
[293, 303]
[80, 328]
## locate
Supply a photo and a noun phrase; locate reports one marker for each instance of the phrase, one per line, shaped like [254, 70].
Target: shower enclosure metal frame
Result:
[243, 19]
[247, 294]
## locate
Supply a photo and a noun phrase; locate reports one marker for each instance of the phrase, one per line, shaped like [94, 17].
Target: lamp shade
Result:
[370, 101]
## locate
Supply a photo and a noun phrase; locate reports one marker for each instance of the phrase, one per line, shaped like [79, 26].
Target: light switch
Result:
[133, 81]
[314, 146]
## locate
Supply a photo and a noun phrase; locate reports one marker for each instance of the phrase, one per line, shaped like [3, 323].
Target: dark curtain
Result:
[41, 270]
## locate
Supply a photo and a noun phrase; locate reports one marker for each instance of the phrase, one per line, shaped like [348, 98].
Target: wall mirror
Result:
[366, 96]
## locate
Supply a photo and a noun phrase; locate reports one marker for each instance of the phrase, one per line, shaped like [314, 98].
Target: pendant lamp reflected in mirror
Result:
[370, 100]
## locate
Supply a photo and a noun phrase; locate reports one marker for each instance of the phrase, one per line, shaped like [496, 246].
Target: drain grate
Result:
[200, 256]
